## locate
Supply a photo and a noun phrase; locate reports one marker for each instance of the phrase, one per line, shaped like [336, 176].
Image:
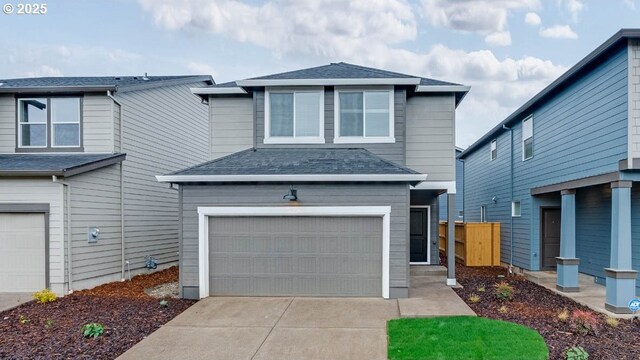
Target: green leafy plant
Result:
[45, 296]
[504, 291]
[481, 289]
[48, 324]
[164, 303]
[584, 322]
[576, 353]
[563, 315]
[474, 298]
[613, 322]
[92, 330]
[503, 309]
[23, 320]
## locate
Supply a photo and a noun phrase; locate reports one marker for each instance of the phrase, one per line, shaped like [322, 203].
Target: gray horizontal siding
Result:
[580, 132]
[231, 120]
[442, 199]
[394, 195]
[97, 123]
[7, 123]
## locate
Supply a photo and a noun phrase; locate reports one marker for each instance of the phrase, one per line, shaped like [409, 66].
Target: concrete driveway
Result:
[11, 300]
[273, 328]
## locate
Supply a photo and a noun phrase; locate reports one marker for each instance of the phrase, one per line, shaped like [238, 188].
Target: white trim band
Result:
[288, 178]
[205, 212]
[450, 186]
[329, 82]
[218, 90]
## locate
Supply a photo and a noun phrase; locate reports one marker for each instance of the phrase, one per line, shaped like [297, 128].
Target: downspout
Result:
[68, 211]
[122, 232]
[511, 188]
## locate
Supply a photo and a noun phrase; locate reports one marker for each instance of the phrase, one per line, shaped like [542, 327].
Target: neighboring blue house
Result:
[559, 172]
[442, 199]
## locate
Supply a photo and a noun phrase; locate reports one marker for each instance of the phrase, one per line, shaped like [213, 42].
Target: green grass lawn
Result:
[464, 338]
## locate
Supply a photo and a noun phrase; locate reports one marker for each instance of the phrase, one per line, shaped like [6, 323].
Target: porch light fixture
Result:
[292, 195]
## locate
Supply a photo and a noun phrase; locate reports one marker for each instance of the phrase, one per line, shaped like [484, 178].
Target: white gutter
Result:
[218, 90]
[122, 231]
[442, 88]
[69, 240]
[329, 82]
[290, 178]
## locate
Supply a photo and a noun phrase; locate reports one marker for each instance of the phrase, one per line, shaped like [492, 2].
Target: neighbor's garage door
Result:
[308, 256]
[22, 252]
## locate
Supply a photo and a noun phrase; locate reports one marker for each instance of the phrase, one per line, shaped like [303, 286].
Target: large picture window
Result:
[294, 117]
[48, 123]
[364, 116]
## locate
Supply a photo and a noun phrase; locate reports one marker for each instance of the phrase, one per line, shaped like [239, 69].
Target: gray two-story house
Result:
[323, 182]
[79, 204]
[559, 173]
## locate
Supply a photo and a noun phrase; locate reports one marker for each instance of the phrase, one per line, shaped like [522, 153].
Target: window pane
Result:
[33, 110]
[377, 124]
[66, 135]
[307, 114]
[527, 128]
[528, 148]
[281, 116]
[377, 113]
[33, 135]
[351, 120]
[65, 110]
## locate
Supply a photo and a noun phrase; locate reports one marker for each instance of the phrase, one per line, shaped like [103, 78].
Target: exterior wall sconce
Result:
[292, 195]
[494, 199]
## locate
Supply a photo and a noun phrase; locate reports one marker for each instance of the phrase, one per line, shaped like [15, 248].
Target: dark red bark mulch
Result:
[536, 307]
[127, 313]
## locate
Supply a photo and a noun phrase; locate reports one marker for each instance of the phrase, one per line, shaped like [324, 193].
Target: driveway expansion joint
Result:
[273, 327]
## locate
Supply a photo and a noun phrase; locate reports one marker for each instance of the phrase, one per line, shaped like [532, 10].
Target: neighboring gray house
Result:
[78, 155]
[442, 199]
[560, 179]
[324, 182]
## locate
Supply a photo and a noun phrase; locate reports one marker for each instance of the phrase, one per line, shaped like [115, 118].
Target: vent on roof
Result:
[145, 77]
[117, 78]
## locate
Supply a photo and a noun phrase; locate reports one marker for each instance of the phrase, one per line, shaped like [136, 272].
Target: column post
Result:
[567, 263]
[451, 239]
[621, 278]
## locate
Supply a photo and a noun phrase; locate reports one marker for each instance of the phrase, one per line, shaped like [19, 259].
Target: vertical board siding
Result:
[42, 191]
[165, 129]
[579, 132]
[231, 120]
[394, 195]
[634, 100]
[431, 136]
[393, 152]
[7, 124]
[95, 201]
[97, 123]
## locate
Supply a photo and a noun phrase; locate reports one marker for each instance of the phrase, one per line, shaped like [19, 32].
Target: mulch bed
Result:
[537, 307]
[126, 311]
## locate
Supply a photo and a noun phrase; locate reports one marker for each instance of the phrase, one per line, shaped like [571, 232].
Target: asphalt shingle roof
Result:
[88, 81]
[308, 161]
[52, 164]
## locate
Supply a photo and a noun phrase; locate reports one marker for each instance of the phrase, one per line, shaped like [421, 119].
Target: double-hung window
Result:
[494, 149]
[294, 117]
[527, 138]
[364, 116]
[49, 123]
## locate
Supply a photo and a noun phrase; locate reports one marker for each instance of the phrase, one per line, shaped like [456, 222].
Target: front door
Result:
[550, 237]
[419, 226]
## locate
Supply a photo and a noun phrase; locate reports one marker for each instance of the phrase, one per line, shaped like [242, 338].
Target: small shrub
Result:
[474, 298]
[92, 330]
[613, 322]
[576, 353]
[164, 303]
[503, 309]
[45, 296]
[563, 315]
[48, 324]
[481, 289]
[23, 320]
[504, 291]
[584, 322]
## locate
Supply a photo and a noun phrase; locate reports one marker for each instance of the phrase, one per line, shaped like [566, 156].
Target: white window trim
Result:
[337, 139]
[513, 208]
[494, 142]
[428, 207]
[268, 139]
[205, 212]
[53, 128]
[530, 117]
[483, 213]
[20, 123]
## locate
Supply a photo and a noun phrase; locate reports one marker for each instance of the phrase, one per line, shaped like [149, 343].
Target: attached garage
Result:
[23, 255]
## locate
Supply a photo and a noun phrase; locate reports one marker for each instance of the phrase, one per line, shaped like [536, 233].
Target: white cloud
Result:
[499, 38]
[201, 68]
[44, 70]
[573, 8]
[558, 32]
[631, 4]
[532, 18]
[484, 16]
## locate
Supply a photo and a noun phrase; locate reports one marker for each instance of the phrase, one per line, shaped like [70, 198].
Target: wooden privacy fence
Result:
[477, 244]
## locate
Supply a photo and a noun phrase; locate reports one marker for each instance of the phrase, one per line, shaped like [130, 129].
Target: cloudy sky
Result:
[507, 50]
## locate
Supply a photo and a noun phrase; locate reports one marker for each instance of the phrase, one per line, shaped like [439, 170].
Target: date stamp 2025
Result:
[24, 9]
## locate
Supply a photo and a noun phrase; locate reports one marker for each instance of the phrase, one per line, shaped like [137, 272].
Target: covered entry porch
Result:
[586, 226]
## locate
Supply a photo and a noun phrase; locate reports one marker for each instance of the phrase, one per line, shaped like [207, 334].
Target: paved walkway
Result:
[11, 300]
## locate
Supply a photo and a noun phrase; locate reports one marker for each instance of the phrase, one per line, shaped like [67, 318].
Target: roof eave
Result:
[54, 89]
[443, 88]
[218, 91]
[411, 178]
[71, 171]
[328, 82]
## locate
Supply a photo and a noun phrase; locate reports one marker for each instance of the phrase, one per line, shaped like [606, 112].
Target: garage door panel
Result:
[312, 256]
[22, 252]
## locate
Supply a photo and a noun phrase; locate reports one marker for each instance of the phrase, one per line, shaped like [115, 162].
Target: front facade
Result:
[79, 204]
[558, 175]
[323, 182]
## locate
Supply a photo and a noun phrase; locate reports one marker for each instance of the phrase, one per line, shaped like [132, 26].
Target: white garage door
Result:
[22, 252]
[304, 256]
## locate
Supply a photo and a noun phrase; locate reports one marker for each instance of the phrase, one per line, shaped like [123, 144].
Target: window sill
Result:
[49, 149]
[364, 140]
[292, 141]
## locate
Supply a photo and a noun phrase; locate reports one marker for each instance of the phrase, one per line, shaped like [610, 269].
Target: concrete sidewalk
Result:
[10, 300]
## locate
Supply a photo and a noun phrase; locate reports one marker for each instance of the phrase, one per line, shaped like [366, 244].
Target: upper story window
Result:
[527, 138]
[49, 123]
[494, 149]
[364, 116]
[294, 117]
